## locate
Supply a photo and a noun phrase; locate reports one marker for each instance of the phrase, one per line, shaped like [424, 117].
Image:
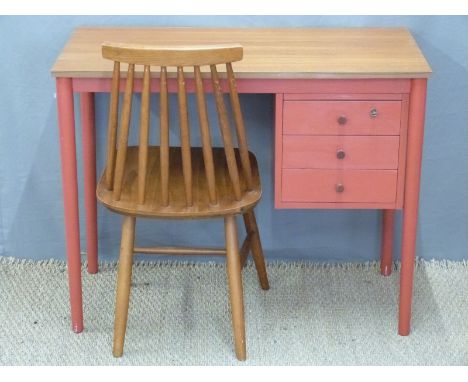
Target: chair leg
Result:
[123, 284]
[257, 251]
[235, 285]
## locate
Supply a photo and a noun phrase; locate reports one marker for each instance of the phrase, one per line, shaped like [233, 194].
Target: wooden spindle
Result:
[112, 126]
[123, 135]
[164, 137]
[226, 133]
[184, 136]
[240, 129]
[206, 136]
[144, 131]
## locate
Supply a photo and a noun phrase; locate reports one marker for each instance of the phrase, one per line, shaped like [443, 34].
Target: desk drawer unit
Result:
[340, 150]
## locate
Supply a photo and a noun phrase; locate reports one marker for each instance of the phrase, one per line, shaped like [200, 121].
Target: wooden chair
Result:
[183, 182]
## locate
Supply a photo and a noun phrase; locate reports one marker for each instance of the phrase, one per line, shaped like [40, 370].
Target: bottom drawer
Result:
[338, 186]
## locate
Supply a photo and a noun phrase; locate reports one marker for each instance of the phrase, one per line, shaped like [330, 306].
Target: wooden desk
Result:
[350, 107]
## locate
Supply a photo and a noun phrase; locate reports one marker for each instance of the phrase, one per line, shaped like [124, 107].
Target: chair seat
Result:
[128, 204]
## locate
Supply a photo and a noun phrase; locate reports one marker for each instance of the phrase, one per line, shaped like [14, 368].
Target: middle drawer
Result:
[353, 152]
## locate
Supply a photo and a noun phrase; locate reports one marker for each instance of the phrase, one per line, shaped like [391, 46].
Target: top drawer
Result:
[341, 117]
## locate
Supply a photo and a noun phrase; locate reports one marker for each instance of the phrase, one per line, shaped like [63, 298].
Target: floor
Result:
[314, 314]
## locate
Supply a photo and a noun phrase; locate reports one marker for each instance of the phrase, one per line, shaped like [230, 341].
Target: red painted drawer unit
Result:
[342, 150]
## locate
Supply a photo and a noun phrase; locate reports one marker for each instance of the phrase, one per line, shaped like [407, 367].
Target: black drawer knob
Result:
[340, 154]
[342, 120]
[339, 188]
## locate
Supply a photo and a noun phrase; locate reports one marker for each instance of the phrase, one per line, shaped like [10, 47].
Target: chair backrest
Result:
[178, 57]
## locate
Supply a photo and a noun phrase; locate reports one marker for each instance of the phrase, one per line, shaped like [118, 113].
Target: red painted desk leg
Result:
[89, 166]
[66, 121]
[386, 253]
[410, 211]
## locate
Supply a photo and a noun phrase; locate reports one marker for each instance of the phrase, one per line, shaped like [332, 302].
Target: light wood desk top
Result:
[268, 53]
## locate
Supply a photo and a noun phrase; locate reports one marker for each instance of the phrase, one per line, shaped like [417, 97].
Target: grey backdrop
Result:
[31, 209]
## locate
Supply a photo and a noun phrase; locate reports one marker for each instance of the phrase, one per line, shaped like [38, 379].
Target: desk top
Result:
[268, 53]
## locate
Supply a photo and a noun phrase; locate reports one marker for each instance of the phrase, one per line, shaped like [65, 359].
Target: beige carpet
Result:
[179, 315]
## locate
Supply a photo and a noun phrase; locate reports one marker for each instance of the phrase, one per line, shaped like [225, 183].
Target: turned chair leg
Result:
[235, 285]
[257, 251]
[124, 279]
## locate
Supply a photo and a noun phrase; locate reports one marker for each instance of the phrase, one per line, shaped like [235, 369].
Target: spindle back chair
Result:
[180, 182]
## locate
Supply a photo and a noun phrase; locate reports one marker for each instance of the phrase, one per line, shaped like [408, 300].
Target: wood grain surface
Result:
[268, 53]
